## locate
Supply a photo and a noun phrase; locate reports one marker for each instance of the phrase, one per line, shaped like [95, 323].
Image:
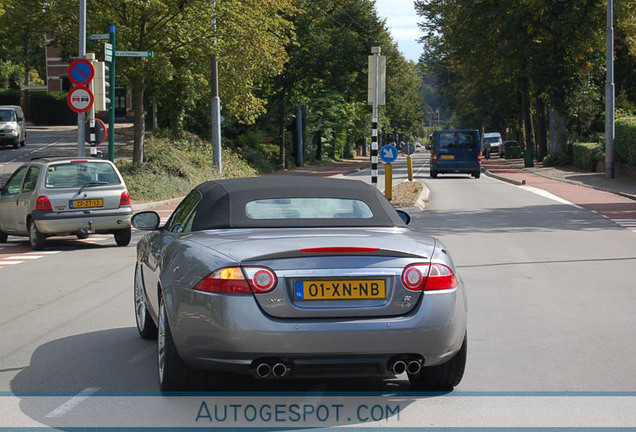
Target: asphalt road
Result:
[551, 327]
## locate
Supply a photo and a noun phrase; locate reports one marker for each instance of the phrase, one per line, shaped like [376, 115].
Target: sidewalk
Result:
[511, 170]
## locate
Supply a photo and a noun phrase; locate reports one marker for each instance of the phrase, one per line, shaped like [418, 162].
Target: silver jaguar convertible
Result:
[294, 277]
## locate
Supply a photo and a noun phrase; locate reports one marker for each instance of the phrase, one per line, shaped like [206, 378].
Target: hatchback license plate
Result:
[448, 157]
[340, 289]
[86, 203]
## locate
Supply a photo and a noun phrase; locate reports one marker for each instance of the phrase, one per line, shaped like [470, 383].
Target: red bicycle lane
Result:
[620, 209]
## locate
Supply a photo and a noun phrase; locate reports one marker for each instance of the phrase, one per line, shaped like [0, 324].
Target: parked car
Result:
[62, 196]
[494, 142]
[12, 126]
[289, 277]
[456, 151]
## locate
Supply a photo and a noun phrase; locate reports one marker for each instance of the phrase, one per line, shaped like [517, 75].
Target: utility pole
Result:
[81, 117]
[609, 94]
[216, 103]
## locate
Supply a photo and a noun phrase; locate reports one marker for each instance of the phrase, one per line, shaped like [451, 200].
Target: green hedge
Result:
[50, 108]
[625, 140]
[586, 155]
[512, 152]
[10, 97]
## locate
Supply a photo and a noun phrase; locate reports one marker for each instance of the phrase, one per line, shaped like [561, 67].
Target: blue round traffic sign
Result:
[81, 71]
[388, 153]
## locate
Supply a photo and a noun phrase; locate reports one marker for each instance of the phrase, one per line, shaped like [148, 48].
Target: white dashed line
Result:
[73, 402]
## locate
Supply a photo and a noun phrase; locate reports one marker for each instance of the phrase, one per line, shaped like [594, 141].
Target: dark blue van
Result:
[456, 151]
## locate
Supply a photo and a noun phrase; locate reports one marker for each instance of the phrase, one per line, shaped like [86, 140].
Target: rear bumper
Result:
[51, 222]
[231, 333]
[457, 167]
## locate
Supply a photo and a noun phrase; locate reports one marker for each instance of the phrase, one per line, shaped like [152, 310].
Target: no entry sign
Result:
[80, 99]
[81, 71]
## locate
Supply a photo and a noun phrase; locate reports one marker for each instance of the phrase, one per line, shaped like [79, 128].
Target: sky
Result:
[402, 20]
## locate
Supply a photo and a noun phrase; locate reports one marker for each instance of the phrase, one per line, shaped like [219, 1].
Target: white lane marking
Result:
[10, 262]
[549, 195]
[42, 252]
[25, 256]
[32, 151]
[73, 402]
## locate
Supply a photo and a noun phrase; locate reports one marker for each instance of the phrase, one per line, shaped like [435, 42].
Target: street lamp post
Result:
[609, 94]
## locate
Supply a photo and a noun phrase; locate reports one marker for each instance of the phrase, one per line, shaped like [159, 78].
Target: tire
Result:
[37, 240]
[145, 325]
[123, 236]
[82, 235]
[16, 144]
[3, 237]
[23, 142]
[477, 174]
[173, 373]
[433, 174]
[443, 377]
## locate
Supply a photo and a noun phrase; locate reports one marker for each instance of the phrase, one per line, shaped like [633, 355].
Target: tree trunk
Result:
[281, 127]
[138, 86]
[319, 145]
[527, 121]
[542, 130]
[561, 131]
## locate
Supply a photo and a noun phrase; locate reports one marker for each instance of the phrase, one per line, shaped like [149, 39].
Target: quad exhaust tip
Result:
[279, 370]
[413, 367]
[399, 367]
[263, 370]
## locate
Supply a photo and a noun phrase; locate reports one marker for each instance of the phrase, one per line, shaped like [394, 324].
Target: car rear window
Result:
[457, 140]
[77, 174]
[308, 208]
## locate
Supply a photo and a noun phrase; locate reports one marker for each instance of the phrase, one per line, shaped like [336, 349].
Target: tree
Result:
[249, 41]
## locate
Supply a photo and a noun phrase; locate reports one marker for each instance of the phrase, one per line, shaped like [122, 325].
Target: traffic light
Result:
[100, 86]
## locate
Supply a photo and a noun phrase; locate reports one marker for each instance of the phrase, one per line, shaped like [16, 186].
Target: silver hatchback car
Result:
[65, 196]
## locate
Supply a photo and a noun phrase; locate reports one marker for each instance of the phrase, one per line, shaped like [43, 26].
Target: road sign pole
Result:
[374, 121]
[111, 95]
[82, 52]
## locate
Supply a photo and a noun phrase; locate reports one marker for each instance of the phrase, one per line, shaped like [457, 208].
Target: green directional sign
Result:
[108, 52]
[147, 54]
[98, 36]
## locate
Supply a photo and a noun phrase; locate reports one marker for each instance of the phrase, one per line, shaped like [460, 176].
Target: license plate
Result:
[448, 156]
[340, 289]
[86, 203]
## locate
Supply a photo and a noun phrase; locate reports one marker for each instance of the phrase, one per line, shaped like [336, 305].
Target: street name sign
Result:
[147, 54]
[108, 52]
[98, 36]
[80, 99]
[81, 71]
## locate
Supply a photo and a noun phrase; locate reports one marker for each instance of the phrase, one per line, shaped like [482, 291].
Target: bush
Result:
[512, 152]
[556, 159]
[625, 140]
[10, 97]
[258, 150]
[174, 166]
[50, 108]
[586, 155]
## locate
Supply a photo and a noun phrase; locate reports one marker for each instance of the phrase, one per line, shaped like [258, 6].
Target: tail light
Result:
[428, 277]
[125, 199]
[479, 157]
[234, 280]
[43, 203]
[435, 157]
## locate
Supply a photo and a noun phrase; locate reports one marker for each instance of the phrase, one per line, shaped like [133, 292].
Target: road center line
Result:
[72, 402]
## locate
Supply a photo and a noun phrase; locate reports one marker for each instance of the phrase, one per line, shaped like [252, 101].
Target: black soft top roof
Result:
[223, 202]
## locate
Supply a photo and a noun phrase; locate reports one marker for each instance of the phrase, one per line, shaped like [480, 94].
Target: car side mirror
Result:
[146, 220]
[20, 119]
[404, 216]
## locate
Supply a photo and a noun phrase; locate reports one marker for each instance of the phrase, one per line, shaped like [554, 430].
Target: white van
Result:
[493, 141]
[12, 126]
